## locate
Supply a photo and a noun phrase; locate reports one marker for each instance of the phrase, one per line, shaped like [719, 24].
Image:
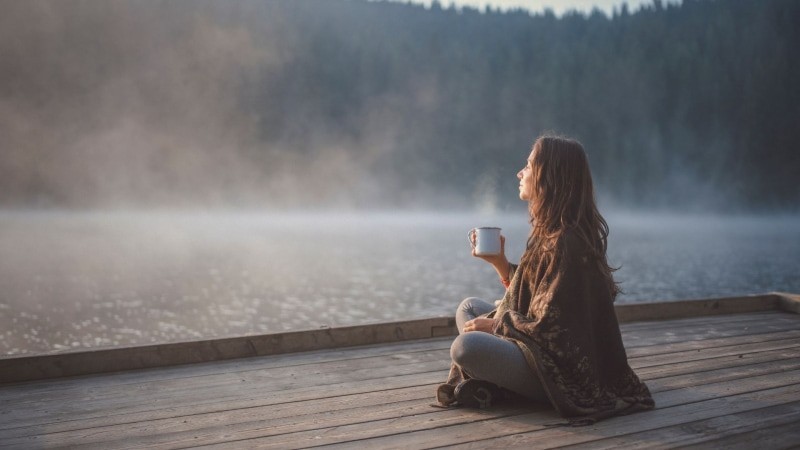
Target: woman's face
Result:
[526, 179]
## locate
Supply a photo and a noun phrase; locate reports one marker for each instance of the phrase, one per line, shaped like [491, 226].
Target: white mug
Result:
[487, 240]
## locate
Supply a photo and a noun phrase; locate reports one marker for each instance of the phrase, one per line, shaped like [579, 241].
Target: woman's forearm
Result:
[503, 268]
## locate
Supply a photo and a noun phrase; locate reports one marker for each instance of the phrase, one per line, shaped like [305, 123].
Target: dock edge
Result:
[102, 360]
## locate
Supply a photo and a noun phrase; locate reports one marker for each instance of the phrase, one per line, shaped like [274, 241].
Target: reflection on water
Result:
[87, 280]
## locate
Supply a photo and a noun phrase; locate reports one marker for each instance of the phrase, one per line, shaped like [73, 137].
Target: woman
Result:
[554, 336]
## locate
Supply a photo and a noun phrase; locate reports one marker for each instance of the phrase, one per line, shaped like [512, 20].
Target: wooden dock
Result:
[725, 373]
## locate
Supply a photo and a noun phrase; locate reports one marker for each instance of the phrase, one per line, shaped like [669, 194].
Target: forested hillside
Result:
[307, 103]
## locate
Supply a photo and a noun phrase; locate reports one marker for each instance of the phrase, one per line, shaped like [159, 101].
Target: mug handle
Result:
[471, 233]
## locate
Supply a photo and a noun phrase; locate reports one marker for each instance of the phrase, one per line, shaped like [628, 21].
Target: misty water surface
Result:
[72, 280]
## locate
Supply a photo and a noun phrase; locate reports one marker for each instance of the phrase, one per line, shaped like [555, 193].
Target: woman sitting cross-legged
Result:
[554, 337]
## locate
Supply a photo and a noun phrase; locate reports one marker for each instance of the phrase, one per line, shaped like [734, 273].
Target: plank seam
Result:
[382, 389]
[178, 417]
[85, 376]
[716, 357]
[718, 347]
[700, 383]
[533, 432]
[713, 338]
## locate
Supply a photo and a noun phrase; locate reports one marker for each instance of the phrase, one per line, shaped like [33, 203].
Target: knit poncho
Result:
[566, 327]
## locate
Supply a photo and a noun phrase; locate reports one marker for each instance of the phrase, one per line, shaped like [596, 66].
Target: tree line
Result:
[689, 106]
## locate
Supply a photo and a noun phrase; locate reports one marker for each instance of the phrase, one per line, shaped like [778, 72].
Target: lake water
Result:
[77, 280]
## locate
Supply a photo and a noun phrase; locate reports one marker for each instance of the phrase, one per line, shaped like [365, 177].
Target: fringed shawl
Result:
[566, 327]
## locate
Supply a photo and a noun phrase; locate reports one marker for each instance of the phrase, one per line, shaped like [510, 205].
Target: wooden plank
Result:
[702, 320]
[680, 333]
[212, 401]
[306, 415]
[634, 312]
[788, 302]
[409, 432]
[314, 426]
[199, 429]
[195, 430]
[733, 372]
[282, 377]
[672, 347]
[61, 441]
[185, 372]
[727, 370]
[23, 368]
[532, 430]
[640, 362]
[782, 321]
[670, 412]
[426, 401]
[706, 376]
[135, 380]
[73, 363]
[276, 391]
[90, 384]
[781, 436]
[186, 398]
[703, 365]
[306, 408]
[708, 432]
[234, 399]
[671, 404]
[287, 379]
[276, 379]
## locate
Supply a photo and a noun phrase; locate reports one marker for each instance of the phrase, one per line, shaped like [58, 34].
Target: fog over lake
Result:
[152, 111]
[78, 280]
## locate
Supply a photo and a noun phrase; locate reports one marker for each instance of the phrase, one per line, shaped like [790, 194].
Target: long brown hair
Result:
[562, 198]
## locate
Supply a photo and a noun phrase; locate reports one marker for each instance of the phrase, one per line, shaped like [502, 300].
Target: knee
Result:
[465, 350]
[468, 303]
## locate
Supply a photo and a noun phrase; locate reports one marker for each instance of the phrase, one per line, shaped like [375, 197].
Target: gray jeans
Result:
[484, 356]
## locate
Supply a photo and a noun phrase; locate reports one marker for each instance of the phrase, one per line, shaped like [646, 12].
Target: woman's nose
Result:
[519, 174]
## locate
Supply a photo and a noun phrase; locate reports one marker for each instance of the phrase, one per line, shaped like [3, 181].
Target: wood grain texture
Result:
[105, 360]
[72, 363]
[707, 374]
[706, 432]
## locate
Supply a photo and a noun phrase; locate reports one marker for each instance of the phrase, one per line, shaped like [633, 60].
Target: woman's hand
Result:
[479, 324]
[491, 259]
[499, 261]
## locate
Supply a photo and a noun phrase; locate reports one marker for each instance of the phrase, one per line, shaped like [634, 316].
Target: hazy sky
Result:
[558, 6]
